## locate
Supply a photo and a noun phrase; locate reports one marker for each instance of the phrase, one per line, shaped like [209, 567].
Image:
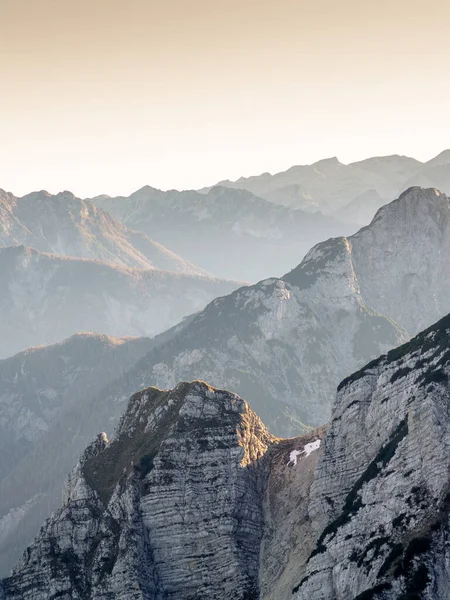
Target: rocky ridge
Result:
[283, 344]
[379, 504]
[194, 498]
[172, 507]
[69, 226]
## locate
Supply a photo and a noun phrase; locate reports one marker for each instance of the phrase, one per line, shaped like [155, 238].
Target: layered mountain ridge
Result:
[68, 226]
[45, 298]
[350, 192]
[230, 232]
[194, 498]
[283, 344]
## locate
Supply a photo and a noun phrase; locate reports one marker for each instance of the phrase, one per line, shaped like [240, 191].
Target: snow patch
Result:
[307, 450]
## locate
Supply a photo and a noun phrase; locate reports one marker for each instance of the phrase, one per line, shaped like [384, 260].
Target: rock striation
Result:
[193, 498]
[380, 502]
[171, 508]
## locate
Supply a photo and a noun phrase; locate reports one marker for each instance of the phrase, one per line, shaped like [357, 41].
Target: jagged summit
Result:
[172, 504]
[66, 225]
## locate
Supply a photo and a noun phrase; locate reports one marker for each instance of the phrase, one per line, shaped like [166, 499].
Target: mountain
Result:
[337, 189]
[194, 498]
[284, 344]
[40, 383]
[66, 225]
[48, 398]
[45, 298]
[379, 505]
[328, 183]
[361, 209]
[231, 233]
[172, 507]
[435, 172]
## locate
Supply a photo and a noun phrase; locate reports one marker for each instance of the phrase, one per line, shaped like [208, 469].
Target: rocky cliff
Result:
[171, 508]
[380, 505]
[195, 499]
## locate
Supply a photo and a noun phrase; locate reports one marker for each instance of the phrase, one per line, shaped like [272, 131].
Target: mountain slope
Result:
[194, 498]
[379, 505]
[171, 507]
[66, 225]
[48, 397]
[284, 344]
[291, 340]
[231, 233]
[45, 298]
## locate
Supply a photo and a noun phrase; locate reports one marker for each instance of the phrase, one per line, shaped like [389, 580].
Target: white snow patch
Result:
[308, 449]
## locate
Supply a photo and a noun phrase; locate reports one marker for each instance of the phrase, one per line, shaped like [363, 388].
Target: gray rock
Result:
[171, 508]
[379, 505]
[68, 226]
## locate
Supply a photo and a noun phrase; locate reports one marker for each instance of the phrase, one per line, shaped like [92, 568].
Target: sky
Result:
[106, 96]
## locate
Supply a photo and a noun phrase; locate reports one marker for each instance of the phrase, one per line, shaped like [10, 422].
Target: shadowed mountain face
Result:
[66, 225]
[193, 497]
[231, 233]
[351, 193]
[45, 298]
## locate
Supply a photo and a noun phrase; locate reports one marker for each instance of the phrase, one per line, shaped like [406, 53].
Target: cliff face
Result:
[195, 499]
[172, 508]
[380, 502]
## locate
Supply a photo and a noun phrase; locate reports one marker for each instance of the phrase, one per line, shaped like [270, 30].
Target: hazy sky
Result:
[105, 96]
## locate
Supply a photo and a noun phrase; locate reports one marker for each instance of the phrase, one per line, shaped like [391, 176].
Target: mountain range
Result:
[68, 226]
[194, 498]
[283, 343]
[352, 192]
[45, 298]
[231, 233]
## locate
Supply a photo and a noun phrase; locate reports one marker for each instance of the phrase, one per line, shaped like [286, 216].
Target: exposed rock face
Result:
[230, 232]
[290, 341]
[66, 225]
[288, 535]
[195, 499]
[171, 508]
[46, 298]
[380, 500]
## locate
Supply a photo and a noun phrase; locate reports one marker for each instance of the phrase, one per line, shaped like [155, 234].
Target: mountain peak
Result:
[442, 158]
[185, 464]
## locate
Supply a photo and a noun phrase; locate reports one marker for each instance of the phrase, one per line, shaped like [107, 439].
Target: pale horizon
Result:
[104, 97]
[212, 184]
